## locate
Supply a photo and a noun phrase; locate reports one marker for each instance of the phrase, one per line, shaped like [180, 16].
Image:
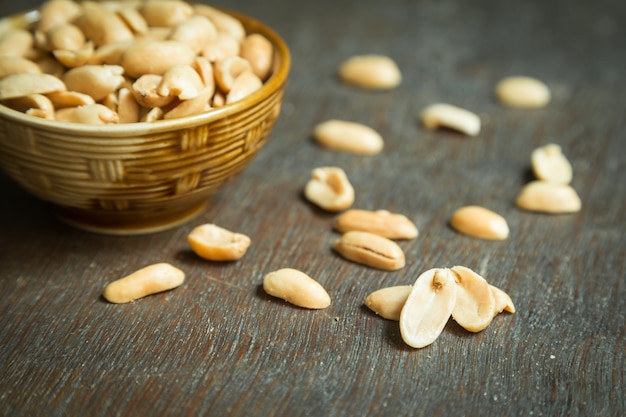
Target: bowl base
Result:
[123, 225]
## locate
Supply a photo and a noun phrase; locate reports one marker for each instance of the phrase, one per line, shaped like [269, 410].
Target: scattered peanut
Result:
[522, 92]
[146, 281]
[371, 250]
[371, 72]
[329, 189]
[428, 307]
[215, 243]
[480, 222]
[381, 222]
[548, 197]
[347, 136]
[388, 302]
[549, 164]
[446, 115]
[502, 300]
[475, 303]
[296, 288]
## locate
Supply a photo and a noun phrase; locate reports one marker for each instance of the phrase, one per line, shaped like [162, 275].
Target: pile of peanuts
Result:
[368, 237]
[129, 61]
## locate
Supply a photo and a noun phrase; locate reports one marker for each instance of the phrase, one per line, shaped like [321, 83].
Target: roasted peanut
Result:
[155, 57]
[388, 302]
[195, 31]
[19, 85]
[16, 42]
[480, 222]
[57, 12]
[244, 85]
[223, 46]
[371, 250]
[100, 25]
[475, 303]
[297, 288]
[259, 52]
[548, 197]
[95, 114]
[222, 21]
[95, 80]
[65, 36]
[370, 71]
[75, 58]
[36, 105]
[228, 69]
[127, 106]
[439, 115]
[145, 91]
[428, 307]
[523, 92]
[215, 243]
[381, 222]
[348, 136]
[62, 99]
[196, 105]
[180, 81]
[17, 65]
[329, 189]
[165, 13]
[549, 164]
[146, 281]
[503, 301]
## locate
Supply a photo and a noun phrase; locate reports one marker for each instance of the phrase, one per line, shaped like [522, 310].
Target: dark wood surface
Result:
[219, 346]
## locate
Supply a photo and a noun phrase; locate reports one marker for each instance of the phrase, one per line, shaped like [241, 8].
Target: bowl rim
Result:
[270, 86]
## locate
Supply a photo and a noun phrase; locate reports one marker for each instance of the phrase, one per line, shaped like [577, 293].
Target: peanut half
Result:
[215, 243]
[548, 197]
[388, 302]
[475, 303]
[371, 250]
[479, 222]
[371, 71]
[549, 164]
[381, 222]
[428, 307]
[502, 300]
[341, 135]
[149, 280]
[297, 288]
[330, 189]
[440, 115]
[522, 92]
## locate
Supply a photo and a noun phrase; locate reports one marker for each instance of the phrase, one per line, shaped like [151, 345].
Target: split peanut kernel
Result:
[475, 303]
[480, 222]
[297, 288]
[388, 302]
[371, 250]
[380, 222]
[428, 307]
[215, 243]
[341, 135]
[440, 115]
[522, 92]
[146, 281]
[548, 197]
[376, 72]
[329, 189]
[549, 164]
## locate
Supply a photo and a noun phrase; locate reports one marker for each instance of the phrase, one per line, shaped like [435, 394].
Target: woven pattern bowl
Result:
[140, 177]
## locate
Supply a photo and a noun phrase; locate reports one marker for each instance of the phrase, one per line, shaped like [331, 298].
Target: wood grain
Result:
[219, 346]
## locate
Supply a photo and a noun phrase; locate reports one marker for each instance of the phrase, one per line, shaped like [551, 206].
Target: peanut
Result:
[296, 288]
[259, 52]
[549, 164]
[428, 307]
[18, 85]
[195, 31]
[371, 250]
[96, 81]
[348, 136]
[502, 300]
[215, 243]
[480, 222]
[548, 197]
[155, 57]
[380, 222]
[165, 13]
[522, 92]
[439, 115]
[17, 65]
[149, 280]
[244, 85]
[475, 303]
[371, 72]
[388, 302]
[180, 81]
[95, 114]
[329, 189]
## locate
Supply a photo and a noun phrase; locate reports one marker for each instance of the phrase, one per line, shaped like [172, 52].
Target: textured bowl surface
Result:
[139, 177]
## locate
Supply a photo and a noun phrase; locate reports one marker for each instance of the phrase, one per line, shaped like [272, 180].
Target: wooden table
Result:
[218, 345]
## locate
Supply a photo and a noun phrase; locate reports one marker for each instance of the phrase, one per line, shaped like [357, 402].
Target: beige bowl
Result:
[140, 177]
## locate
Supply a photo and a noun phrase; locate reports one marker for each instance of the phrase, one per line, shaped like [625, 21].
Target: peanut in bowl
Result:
[142, 176]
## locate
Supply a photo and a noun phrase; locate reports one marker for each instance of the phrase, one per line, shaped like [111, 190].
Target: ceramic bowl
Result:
[140, 177]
